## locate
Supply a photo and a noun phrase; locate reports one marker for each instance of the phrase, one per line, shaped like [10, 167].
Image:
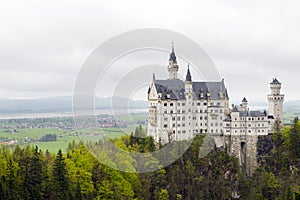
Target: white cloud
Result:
[43, 44]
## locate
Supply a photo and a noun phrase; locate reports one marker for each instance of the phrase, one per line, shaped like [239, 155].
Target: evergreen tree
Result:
[60, 178]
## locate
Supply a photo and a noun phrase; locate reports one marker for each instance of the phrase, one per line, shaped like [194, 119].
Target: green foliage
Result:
[28, 173]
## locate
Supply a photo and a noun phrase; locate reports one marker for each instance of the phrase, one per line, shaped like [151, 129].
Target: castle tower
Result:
[188, 84]
[275, 102]
[173, 67]
[244, 105]
[188, 93]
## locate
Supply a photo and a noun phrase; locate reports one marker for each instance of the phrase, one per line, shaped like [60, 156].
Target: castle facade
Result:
[181, 109]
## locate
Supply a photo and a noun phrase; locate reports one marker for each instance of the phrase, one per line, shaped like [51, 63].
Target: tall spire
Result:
[188, 74]
[172, 59]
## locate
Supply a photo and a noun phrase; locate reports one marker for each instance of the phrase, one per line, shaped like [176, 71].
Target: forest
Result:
[30, 173]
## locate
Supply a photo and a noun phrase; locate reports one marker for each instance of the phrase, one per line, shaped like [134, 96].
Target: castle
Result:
[179, 110]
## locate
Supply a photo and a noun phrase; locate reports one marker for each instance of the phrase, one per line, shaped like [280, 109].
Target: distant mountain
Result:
[63, 104]
[293, 105]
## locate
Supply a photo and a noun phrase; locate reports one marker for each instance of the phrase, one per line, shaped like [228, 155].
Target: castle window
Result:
[183, 118]
[263, 131]
[249, 131]
[178, 125]
[165, 111]
[198, 104]
[219, 103]
[259, 131]
[165, 104]
[178, 104]
[171, 104]
[205, 103]
[200, 111]
[249, 125]
[179, 132]
[205, 118]
[196, 111]
[192, 104]
[211, 124]
[173, 125]
[200, 118]
[173, 118]
[183, 131]
[189, 110]
[178, 118]
[183, 104]
[171, 111]
[183, 125]
[165, 119]
[165, 125]
[183, 111]
[211, 103]
[178, 111]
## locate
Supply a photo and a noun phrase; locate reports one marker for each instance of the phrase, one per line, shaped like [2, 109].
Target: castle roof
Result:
[275, 81]
[176, 89]
[172, 59]
[244, 100]
[188, 75]
[255, 113]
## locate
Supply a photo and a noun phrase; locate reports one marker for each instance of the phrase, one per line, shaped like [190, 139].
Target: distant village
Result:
[14, 126]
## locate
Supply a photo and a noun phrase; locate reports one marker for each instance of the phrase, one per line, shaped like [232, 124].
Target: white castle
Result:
[179, 110]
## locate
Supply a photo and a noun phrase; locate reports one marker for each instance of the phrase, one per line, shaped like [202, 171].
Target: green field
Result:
[64, 136]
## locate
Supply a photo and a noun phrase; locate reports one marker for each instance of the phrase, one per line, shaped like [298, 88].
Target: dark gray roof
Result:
[176, 89]
[251, 114]
[244, 99]
[188, 75]
[172, 58]
[275, 81]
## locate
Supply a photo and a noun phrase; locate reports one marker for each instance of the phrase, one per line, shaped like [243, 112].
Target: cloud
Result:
[44, 44]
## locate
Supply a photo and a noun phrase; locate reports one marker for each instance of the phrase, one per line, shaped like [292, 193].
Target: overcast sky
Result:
[44, 43]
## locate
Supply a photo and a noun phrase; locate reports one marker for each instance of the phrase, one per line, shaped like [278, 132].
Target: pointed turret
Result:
[173, 67]
[244, 105]
[188, 74]
[172, 59]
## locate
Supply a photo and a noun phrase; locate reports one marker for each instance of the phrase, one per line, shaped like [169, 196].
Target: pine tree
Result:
[60, 178]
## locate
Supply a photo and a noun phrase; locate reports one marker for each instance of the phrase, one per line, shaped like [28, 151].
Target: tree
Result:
[295, 140]
[60, 178]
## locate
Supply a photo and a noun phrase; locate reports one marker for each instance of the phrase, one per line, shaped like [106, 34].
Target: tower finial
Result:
[173, 47]
[153, 76]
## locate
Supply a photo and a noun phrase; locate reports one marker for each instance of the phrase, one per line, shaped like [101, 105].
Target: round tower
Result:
[275, 101]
